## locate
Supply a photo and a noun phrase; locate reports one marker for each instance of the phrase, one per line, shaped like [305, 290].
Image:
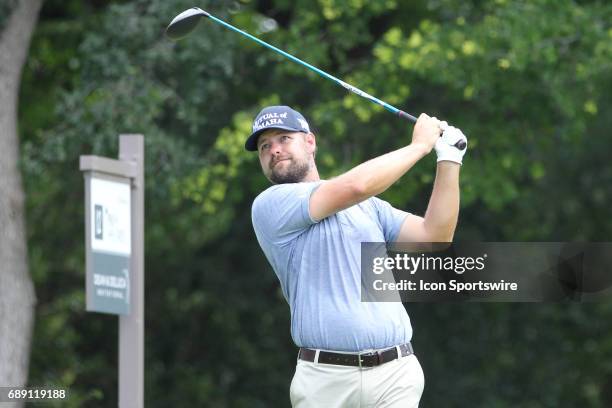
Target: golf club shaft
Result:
[324, 74]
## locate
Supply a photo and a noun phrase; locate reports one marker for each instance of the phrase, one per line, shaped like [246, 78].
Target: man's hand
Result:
[446, 146]
[426, 132]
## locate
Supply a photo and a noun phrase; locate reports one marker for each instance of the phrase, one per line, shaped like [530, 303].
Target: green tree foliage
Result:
[526, 80]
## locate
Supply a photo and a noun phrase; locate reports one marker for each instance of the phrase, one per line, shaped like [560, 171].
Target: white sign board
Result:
[110, 212]
[110, 246]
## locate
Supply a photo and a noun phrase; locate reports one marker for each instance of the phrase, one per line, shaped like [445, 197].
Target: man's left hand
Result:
[446, 145]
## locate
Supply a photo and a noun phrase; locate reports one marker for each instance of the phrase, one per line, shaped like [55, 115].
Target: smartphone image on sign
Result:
[99, 232]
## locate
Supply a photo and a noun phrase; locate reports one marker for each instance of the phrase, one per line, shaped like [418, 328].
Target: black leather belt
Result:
[369, 359]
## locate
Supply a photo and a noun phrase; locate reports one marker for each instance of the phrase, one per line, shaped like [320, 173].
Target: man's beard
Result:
[294, 173]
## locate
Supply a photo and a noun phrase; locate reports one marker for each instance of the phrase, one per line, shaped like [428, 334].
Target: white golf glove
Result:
[448, 145]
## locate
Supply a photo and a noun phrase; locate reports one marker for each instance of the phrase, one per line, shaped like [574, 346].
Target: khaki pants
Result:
[398, 383]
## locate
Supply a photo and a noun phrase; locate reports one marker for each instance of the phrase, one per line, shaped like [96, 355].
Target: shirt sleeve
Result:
[281, 213]
[390, 218]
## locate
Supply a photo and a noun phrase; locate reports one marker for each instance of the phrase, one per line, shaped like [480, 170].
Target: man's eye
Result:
[283, 138]
[264, 146]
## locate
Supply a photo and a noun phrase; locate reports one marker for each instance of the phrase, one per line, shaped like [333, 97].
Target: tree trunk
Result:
[17, 298]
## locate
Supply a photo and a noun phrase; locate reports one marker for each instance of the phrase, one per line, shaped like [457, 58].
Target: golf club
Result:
[185, 22]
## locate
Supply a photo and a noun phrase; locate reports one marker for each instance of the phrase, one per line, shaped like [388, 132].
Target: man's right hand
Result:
[426, 132]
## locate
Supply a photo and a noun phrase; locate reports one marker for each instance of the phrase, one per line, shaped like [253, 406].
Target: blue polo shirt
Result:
[318, 265]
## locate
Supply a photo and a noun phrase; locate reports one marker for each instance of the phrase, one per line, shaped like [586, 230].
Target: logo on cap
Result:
[304, 124]
[268, 120]
[281, 117]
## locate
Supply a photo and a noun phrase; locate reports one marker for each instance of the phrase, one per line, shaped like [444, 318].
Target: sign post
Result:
[114, 238]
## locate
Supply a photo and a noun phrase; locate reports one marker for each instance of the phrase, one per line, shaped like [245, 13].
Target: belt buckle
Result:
[369, 353]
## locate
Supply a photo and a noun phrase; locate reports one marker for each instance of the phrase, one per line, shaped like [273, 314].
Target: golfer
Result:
[352, 353]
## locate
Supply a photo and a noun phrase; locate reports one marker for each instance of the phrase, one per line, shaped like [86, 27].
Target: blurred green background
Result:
[529, 82]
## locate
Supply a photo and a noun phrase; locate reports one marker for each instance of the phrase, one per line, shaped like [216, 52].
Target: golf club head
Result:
[185, 22]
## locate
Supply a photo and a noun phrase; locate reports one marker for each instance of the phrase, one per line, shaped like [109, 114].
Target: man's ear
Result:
[311, 141]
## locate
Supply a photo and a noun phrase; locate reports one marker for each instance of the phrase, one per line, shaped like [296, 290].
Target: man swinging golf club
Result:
[352, 353]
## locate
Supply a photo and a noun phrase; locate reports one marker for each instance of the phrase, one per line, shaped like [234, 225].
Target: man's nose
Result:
[275, 148]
